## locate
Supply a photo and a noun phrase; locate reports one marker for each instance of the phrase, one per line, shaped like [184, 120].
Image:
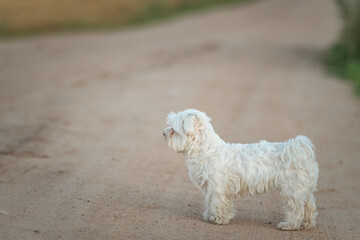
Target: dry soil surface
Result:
[81, 117]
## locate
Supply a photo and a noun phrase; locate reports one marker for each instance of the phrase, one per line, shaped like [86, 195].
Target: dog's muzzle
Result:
[168, 132]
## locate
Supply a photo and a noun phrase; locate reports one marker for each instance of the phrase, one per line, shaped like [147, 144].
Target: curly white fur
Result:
[224, 171]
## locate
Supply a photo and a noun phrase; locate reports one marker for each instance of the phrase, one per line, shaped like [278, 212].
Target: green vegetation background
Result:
[343, 58]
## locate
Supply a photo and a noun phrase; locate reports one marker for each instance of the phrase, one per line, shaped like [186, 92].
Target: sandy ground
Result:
[81, 117]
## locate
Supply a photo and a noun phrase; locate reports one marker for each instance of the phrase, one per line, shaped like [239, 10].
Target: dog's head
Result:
[186, 129]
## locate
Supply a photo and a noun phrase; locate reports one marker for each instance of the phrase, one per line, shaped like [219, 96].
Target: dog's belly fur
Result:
[231, 168]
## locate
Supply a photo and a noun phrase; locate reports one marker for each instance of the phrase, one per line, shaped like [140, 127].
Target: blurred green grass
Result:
[29, 17]
[343, 58]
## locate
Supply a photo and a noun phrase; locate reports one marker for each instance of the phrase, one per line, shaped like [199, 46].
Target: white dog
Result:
[224, 171]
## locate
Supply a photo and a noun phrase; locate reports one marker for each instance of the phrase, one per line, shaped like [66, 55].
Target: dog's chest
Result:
[197, 173]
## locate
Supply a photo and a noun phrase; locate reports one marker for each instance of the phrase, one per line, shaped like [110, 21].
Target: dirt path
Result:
[81, 116]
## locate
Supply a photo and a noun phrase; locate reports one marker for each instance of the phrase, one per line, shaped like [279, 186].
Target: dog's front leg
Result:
[207, 213]
[219, 208]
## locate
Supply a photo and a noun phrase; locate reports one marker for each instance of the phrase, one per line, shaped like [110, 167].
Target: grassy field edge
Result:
[125, 16]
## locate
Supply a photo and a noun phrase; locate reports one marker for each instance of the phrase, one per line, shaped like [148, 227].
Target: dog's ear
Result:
[192, 124]
[170, 118]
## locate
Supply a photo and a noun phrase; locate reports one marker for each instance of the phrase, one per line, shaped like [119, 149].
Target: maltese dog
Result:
[225, 171]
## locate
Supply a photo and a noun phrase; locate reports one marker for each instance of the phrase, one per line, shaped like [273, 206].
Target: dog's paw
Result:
[218, 220]
[306, 226]
[286, 226]
[206, 216]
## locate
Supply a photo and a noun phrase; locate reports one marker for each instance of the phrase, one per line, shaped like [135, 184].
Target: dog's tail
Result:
[299, 152]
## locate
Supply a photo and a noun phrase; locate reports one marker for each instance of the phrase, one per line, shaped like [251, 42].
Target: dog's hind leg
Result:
[310, 213]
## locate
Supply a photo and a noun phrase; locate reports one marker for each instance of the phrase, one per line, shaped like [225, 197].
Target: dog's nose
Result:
[164, 134]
